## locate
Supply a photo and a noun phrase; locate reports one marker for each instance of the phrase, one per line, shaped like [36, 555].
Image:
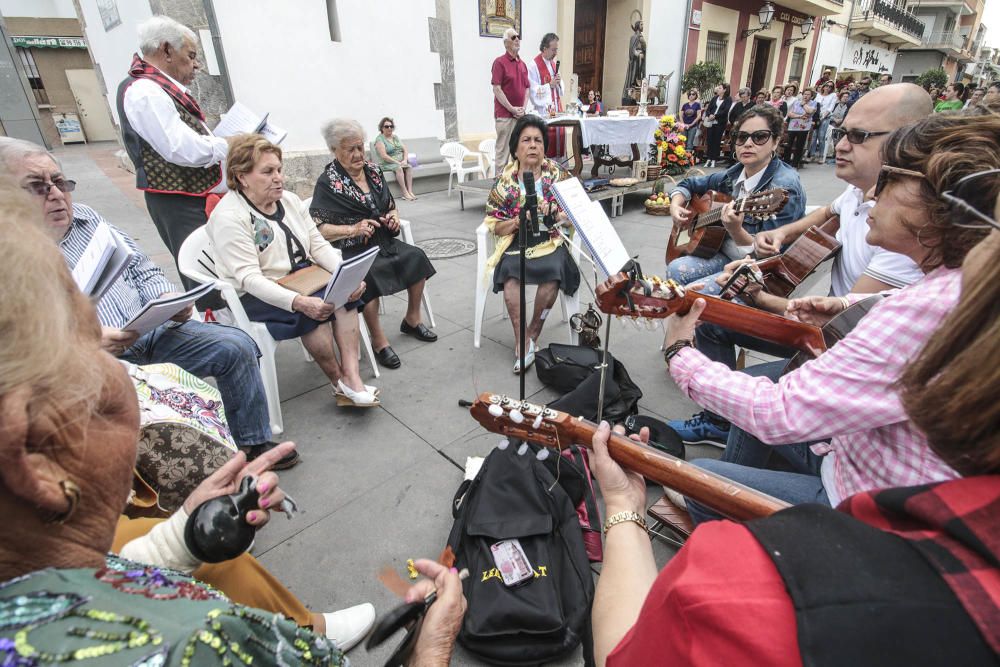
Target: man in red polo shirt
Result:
[510, 93]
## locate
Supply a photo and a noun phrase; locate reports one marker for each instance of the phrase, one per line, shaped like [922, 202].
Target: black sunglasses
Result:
[855, 136]
[760, 137]
[42, 188]
[515, 37]
[389, 125]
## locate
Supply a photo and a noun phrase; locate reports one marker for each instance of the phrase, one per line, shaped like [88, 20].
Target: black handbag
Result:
[574, 370]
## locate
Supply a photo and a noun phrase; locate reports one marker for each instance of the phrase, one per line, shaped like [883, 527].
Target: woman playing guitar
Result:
[755, 135]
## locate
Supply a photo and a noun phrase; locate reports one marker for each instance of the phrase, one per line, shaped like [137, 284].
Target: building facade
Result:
[951, 38]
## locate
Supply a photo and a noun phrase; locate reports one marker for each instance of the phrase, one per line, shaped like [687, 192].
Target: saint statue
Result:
[636, 60]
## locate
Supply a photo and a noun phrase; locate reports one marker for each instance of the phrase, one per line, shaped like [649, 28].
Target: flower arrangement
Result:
[669, 147]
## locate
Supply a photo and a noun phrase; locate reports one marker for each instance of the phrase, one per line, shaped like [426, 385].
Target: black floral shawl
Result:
[338, 200]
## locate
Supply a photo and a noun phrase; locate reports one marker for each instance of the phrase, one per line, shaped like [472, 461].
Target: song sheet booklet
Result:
[348, 276]
[159, 311]
[593, 226]
[240, 119]
[102, 262]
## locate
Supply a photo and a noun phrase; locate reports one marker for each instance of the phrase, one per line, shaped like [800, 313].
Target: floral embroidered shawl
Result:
[338, 200]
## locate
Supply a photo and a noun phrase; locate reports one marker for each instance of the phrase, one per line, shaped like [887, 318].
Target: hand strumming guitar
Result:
[678, 213]
[815, 310]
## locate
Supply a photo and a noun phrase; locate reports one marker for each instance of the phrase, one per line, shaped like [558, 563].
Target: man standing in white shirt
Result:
[545, 90]
[178, 162]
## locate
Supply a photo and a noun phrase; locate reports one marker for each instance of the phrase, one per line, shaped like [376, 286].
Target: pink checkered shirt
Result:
[845, 394]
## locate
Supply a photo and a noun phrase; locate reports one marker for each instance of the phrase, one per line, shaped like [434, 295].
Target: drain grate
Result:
[446, 248]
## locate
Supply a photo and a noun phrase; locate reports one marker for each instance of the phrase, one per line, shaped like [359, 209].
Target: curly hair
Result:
[244, 152]
[946, 148]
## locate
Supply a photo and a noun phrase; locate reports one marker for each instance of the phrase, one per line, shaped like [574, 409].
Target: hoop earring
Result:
[774, 153]
[735, 159]
[72, 493]
[920, 241]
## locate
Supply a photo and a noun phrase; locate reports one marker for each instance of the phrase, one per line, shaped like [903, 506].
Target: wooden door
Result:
[759, 65]
[90, 104]
[588, 44]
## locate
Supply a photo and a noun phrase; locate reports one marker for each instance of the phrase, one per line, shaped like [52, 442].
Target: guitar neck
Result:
[723, 495]
[760, 323]
[709, 217]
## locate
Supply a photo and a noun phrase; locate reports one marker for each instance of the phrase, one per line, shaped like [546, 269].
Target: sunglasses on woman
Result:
[854, 136]
[389, 125]
[760, 137]
[957, 198]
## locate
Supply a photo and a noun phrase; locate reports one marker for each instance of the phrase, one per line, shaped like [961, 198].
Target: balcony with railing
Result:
[885, 21]
[950, 42]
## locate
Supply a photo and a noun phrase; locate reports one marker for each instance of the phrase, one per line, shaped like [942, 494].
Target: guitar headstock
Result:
[650, 296]
[523, 420]
[765, 204]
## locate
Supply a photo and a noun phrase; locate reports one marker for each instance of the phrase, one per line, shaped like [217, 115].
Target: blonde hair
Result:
[244, 152]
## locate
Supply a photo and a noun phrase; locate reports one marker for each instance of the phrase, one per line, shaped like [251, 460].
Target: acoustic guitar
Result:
[705, 233]
[551, 428]
[781, 274]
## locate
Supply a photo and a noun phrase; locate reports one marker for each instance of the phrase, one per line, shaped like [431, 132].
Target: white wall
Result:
[112, 50]
[41, 9]
[664, 31]
[474, 56]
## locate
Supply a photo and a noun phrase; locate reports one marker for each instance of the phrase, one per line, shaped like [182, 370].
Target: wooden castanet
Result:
[551, 428]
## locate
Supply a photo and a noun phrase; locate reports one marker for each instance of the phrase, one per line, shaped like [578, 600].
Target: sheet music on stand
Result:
[593, 226]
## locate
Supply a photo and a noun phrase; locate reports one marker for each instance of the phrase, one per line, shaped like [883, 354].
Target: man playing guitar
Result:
[860, 267]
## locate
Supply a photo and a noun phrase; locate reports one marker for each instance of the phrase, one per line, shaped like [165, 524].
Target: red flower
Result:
[672, 157]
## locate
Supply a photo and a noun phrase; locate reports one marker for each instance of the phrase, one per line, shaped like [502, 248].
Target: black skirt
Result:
[557, 266]
[285, 325]
[395, 268]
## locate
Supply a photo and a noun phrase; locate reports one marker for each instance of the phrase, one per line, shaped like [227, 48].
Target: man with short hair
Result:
[885, 79]
[178, 162]
[859, 268]
[206, 350]
[977, 96]
[992, 92]
[827, 76]
[546, 90]
[511, 90]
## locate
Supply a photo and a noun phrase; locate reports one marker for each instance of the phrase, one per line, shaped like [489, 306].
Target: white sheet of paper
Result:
[158, 311]
[593, 226]
[95, 257]
[273, 133]
[348, 276]
[238, 120]
[120, 258]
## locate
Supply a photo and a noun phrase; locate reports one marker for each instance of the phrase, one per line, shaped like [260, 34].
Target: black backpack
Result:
[543, 619]
[574, 370]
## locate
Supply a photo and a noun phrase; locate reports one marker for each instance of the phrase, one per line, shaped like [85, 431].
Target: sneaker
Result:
[698, 430]
[347, 627]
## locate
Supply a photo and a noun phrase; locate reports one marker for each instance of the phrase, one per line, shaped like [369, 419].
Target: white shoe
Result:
[529, 358]
[348, 626]
[675, 497]
[361, 399]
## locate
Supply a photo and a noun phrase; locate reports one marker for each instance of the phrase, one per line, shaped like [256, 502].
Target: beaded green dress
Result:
[132, 614]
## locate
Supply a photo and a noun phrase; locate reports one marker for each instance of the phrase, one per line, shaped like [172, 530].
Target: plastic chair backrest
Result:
[196, 259]
[454, 153]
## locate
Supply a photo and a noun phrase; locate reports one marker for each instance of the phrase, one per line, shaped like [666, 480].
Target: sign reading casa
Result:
[37, 42]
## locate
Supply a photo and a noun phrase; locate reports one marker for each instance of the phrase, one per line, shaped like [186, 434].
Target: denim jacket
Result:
[777, 174]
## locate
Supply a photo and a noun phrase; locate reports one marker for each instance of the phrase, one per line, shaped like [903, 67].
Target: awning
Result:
[38, 42]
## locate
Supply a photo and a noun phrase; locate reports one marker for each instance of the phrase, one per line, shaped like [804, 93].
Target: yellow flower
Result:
[680, 151]
[668, 119]
[682, 137]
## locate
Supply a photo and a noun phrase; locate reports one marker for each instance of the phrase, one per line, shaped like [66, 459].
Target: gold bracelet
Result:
[622, 517]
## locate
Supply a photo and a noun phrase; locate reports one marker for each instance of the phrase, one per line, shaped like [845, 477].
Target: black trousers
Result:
[175, 217]
[797, 146]
[715, 140]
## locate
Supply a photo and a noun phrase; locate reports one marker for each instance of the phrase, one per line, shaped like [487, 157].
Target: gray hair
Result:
[336, 130]
[508, 33]
[745, 91]
[14, 151]
[156, 31]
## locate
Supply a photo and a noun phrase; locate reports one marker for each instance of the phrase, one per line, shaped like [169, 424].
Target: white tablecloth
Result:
[619, 133]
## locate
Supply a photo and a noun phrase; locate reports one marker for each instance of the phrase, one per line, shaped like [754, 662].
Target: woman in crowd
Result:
[840, 108]
[756, 134]
[935, 94]
[790, 95]
[596, 105]
[716, 114]
[800, 121]
[777, 101]
[691, 118]
[69, 420]
[392, 156]
[760, 97]
[355, 211]
[825, 101]
[952, 98]
[547, 263]
[818, 576]
[261, 234]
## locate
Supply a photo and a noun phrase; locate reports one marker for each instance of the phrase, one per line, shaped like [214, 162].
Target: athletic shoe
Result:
[349, 626]
[699, 430]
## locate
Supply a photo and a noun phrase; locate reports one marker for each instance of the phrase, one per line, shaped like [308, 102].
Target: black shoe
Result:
[254, 451]
[388, 358]
[420, 332]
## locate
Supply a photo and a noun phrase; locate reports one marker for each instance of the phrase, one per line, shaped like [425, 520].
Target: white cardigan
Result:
[253, 271]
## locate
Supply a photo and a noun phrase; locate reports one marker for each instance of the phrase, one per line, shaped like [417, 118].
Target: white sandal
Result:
[347, 397]
[529, 358]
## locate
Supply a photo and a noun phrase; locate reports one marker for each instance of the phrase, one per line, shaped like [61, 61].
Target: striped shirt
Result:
[845, 395]
[141, 282]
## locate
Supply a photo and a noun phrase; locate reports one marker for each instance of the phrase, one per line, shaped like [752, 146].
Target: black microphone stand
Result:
[528, 218]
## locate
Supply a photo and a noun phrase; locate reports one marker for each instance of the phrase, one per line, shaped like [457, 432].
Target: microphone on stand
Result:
[530, 201]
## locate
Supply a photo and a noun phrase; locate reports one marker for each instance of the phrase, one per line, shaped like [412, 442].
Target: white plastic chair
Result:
[455, 154]
[196, 260]
[488, 156]
[484, 285]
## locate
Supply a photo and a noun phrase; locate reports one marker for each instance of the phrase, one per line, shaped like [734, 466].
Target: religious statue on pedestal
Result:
[636, 59]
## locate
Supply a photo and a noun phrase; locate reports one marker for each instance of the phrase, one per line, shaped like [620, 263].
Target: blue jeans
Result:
[690, 269]
[819, 138]
[719, 344]
[214, 350]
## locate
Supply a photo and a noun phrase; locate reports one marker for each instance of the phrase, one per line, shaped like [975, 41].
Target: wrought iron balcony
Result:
[887, 12]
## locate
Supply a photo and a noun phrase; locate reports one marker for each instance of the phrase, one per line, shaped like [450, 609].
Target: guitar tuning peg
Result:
[495, 410]
[542, 454]
[537, 424]
[503, 444]
[516, 416]
[523, 449]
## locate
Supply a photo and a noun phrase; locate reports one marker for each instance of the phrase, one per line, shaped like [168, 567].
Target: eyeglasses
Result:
[517, 37]
[42, 188]
[958, 198]
[855, 136]
[389, 125]
[886, 172]
[760, 137]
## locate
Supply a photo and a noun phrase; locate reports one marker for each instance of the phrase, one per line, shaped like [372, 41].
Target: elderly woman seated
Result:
[354, 210]
[547, 263]
[392, 156]
[261, 234]
[68, 424]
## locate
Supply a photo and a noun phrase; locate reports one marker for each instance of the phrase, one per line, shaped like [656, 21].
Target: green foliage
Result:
[936, 78]
[703, 77]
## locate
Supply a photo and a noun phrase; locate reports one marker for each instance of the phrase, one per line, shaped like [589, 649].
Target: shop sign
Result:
[37, 42]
